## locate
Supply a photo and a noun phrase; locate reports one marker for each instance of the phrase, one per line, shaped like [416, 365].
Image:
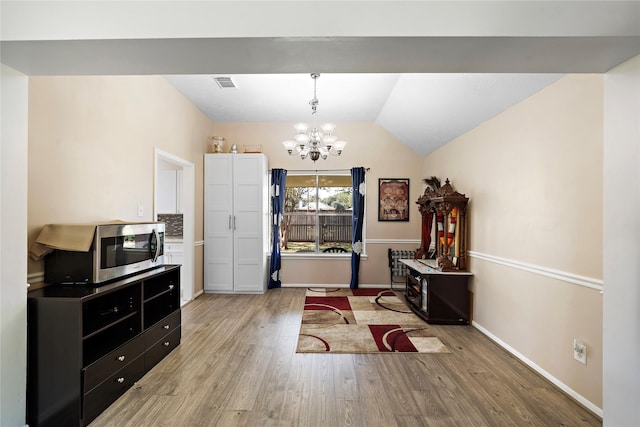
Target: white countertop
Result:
[423, 269]
[173, 239]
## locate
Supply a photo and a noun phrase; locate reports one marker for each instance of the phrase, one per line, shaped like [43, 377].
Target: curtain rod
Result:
[320, 170]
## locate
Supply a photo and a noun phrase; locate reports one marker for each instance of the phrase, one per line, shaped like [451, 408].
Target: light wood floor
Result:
[237, 366]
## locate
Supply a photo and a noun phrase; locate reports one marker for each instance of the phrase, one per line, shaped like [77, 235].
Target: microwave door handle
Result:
[157, 252]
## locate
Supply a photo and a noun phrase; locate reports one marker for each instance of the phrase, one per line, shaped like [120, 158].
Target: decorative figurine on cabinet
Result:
[444, 222]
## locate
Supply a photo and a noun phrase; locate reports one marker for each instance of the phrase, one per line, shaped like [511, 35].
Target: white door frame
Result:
[188, 215]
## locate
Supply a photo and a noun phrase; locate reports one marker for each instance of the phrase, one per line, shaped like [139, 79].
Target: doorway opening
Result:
[181, 192]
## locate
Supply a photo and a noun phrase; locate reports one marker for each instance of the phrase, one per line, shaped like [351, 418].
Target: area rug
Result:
[363, 321]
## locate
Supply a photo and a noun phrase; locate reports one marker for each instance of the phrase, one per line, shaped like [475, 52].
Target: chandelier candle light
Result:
[314, 143]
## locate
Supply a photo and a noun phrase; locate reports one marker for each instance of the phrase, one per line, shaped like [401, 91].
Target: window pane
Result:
[335, 232]
[317, 216]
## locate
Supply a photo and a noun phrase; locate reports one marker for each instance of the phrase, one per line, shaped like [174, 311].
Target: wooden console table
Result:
[87, 344]
[437, 296]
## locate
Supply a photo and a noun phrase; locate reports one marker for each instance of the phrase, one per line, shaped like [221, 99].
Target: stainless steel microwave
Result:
[117, 250]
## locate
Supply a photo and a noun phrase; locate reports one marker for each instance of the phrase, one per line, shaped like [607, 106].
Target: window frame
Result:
[317, 253]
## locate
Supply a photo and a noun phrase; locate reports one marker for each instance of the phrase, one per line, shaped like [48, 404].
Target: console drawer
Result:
[98, 399]
[98, 371]
[162, 328]
[158, 351]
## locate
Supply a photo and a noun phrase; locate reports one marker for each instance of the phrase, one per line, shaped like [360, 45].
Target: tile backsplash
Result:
[173, 224]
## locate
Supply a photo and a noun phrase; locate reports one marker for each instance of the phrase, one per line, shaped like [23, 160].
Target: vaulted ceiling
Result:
[424, 111]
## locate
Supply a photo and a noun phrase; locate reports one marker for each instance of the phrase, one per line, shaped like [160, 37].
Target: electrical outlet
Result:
[140, 209]
[579, 352]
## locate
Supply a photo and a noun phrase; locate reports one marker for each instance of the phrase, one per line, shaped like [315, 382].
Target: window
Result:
[317, 214]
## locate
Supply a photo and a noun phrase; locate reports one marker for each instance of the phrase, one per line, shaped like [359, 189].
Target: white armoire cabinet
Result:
[236, 231]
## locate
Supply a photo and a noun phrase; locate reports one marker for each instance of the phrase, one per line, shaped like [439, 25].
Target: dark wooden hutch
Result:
[437, 284]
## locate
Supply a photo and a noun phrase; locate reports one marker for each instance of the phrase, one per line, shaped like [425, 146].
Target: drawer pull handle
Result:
[121, 358]
[120, 380]
[165, 327]
[166, 343]
[170, 287]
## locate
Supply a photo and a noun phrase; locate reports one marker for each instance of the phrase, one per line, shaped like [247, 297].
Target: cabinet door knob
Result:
[165, 327]
[121, 358]
[120, 380]
[166, 343]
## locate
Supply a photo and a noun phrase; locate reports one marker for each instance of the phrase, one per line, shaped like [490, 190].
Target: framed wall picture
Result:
[393, 199]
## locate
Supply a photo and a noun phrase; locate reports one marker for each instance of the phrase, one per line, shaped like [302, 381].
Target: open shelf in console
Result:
[161, 297]
[100, 313]
[102, 342]
[109, 321]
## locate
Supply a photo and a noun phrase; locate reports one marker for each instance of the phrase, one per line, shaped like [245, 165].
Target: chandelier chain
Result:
[314, 102]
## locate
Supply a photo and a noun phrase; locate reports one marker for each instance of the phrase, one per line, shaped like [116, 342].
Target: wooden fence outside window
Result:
[333, 227]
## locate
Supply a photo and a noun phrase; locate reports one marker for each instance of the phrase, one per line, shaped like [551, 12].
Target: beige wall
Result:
[369, 146]
[91, 149]
[534, 178]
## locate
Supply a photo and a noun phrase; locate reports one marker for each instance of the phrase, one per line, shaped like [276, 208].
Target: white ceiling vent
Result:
[225, 82]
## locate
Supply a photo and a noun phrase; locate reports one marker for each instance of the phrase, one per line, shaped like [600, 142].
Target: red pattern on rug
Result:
[320, 303]
[397, 339]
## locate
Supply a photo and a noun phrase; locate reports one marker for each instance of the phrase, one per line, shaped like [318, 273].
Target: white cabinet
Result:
[236, 211]
[173, 253]
[169, 191]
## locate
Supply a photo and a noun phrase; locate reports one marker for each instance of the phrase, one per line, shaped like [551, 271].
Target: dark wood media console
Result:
[437, 296]
[87, 345]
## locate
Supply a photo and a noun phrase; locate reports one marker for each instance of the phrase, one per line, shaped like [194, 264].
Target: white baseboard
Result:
[335, 285]
[196, 295]
[555, 381]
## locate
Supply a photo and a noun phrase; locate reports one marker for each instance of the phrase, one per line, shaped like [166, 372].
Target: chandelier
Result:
[313, 142]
